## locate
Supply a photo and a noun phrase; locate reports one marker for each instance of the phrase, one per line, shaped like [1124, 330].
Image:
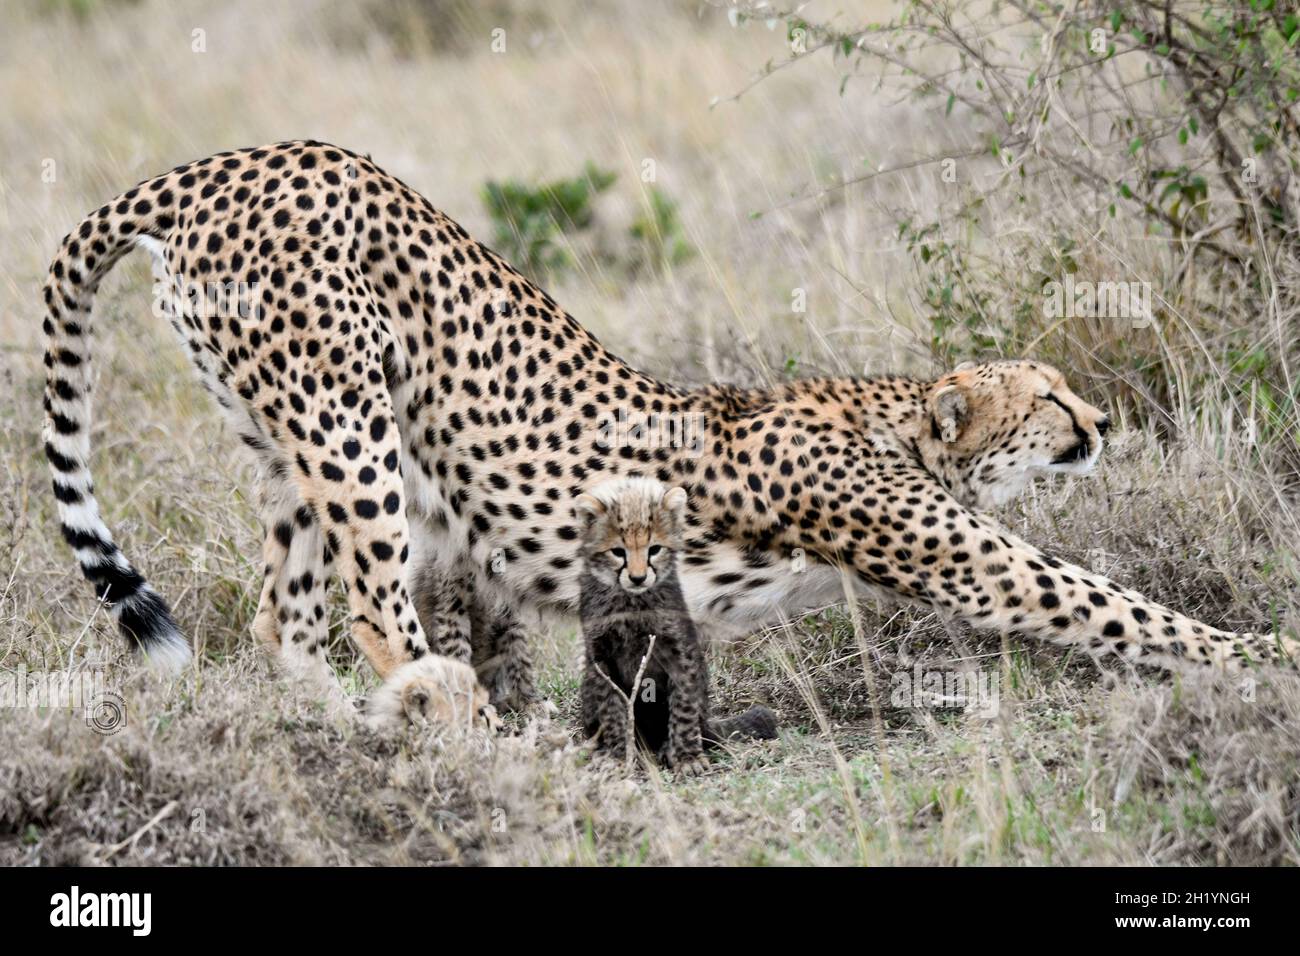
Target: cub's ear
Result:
[962, 366]
[588, 508]
[949, 413]
[415, 703]
[674, 500]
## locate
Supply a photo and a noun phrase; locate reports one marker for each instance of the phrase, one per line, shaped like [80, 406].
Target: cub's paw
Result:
[433, 689]
[695, 765]
[506, 696]
[684, 762]
[541, 711]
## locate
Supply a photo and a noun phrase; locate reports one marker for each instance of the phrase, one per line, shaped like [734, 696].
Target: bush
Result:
[528, 221]
[659, 232]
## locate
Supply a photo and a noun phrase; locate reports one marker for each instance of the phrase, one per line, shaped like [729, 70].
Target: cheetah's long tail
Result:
[84, 258]
[758, 723]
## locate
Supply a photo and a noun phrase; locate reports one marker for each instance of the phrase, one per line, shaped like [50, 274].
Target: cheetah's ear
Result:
[674, 500]
[588, 508]
[949, 413]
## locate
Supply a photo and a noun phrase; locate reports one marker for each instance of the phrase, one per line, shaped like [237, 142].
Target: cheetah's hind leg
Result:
[291, 616]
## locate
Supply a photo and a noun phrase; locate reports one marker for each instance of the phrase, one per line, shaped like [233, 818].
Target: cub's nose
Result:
[1103, 425]
[637, 579]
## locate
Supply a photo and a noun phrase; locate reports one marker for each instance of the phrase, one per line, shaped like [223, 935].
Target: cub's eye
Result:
[618, 553]
[655, 550]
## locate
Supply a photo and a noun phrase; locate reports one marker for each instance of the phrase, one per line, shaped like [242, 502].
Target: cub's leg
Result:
[442, 593]
[428, 585]
[590, 697]
[453, 632]
[460, 623]
[502, 658]
[684, 749]
[604, 710]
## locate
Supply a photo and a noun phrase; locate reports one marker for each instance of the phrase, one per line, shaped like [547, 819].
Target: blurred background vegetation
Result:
[1121, 140]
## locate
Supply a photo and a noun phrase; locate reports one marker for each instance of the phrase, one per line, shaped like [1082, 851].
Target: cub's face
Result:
[632, 529]
[995, 426]
[433, 689]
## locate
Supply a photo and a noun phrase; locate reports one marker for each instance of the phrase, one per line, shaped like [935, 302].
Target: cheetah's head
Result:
[994, 426]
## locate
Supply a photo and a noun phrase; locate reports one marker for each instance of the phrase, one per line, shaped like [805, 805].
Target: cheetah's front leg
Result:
[979, 572]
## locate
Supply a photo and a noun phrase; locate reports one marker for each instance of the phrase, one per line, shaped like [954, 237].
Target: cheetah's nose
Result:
[1103, 425]
[637, 579]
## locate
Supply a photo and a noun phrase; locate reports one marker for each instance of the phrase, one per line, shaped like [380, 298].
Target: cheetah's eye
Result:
[618, 553]
[655, 550]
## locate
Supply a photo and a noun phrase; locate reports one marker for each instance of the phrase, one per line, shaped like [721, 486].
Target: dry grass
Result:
[1079, 765]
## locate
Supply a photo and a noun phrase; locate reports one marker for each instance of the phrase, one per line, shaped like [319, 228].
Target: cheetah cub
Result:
[632, 531]
[432, 689]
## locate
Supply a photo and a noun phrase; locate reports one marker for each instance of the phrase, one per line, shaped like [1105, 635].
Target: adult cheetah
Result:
[413, 401]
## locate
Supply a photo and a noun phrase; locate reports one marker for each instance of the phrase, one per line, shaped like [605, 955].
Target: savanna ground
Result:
[1077, 764]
